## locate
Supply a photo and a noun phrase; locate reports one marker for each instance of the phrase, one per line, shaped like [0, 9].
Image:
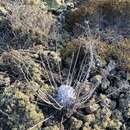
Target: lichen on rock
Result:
[54, 4]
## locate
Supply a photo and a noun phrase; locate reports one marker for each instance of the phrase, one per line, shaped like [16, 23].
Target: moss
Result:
[25, 67]
[116, 5]
[88, 127]
[22, 113]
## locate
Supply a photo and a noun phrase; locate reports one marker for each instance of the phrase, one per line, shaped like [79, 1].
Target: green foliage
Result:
[22, 114]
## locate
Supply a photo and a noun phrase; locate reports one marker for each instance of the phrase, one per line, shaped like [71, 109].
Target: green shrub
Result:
[22, 114]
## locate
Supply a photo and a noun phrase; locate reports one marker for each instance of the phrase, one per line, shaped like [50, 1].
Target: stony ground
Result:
[37, 42]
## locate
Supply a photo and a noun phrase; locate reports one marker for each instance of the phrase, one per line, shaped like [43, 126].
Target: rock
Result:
[111, 66]
[89, 118]
[111, 36]
[3, 9]
[4, 80]
[105, 101]
[75, 124]
[124, 105]
[123, 85]
[54, 4]
[105, 84]
[86, 126]
[113, 104]
[117, 114]
[113, 92]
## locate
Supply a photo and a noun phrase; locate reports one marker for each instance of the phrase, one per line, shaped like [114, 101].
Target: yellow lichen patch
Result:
[120, 52]
[115, 124]
[47, 88]
[36, 70]
[3, 9]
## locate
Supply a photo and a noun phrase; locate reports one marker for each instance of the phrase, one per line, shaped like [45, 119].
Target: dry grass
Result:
[91, 7]
[29, 18]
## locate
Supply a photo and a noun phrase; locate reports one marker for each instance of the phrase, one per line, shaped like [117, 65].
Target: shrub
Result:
[22, 114]
[120, 52]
